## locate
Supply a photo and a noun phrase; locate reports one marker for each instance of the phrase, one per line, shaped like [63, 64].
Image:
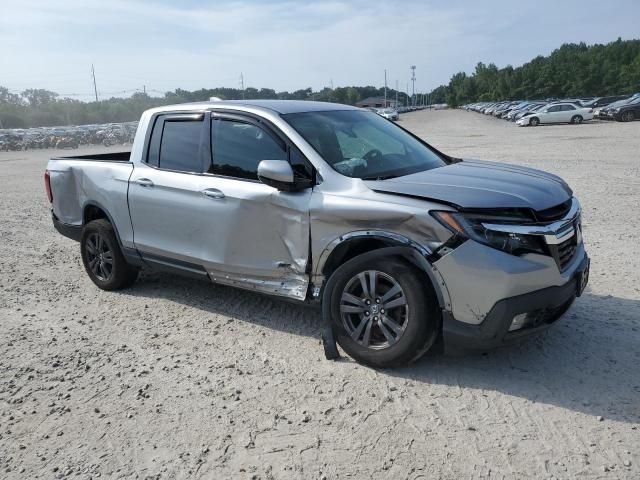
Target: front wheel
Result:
[383, 310]
[102, 257]
[534, 122]
[627, 116]
[576, 119]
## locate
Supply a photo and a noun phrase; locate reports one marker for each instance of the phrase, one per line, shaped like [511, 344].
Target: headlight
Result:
[470, 226]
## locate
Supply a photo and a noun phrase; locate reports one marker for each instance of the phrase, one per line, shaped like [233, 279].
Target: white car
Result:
[388, 113]
[557, 113]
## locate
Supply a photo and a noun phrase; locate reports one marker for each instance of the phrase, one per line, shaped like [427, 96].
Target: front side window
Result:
[180, 146]
[568, 108]
[555, 108]
[361, 144]
[238, 148]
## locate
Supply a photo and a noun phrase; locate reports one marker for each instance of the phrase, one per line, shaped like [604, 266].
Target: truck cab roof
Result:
[278, 106]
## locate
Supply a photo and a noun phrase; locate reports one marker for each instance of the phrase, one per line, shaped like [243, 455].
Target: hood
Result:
[480, 184]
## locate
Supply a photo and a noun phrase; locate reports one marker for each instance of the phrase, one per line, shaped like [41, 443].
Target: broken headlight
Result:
[471, 226]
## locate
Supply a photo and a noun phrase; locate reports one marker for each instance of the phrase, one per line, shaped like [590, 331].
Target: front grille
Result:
[564, 252]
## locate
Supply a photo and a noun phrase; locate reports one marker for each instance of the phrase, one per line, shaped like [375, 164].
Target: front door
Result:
[256, 236]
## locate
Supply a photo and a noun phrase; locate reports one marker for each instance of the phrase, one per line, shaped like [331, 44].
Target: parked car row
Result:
[623, 108]
[388, 113]
[391, 113]
[67, 137]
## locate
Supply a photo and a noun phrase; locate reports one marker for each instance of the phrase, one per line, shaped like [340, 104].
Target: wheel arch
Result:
[93, 210]
[379, 243]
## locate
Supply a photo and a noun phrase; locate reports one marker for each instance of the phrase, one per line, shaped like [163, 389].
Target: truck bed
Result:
[99, 157]
[99, 180]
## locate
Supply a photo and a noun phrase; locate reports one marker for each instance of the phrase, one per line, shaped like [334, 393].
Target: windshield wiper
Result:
[380, 177]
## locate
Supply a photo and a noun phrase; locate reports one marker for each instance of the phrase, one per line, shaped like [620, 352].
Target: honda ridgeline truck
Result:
[402, 245]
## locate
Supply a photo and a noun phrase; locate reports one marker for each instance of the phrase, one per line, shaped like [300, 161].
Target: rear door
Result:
[567, 113]
[165, 192]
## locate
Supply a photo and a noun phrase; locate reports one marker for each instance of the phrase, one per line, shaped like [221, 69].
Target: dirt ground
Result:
[175, 378]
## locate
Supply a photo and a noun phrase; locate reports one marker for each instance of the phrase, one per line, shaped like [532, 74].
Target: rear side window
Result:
[180, 146]
[567, 108]
[239, 147]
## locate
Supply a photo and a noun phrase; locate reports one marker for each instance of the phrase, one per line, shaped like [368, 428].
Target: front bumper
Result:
[543, 307]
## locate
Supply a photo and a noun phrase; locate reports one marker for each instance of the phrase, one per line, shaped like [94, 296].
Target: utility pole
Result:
[396, 93]
[407, 102]
[144, 89]
[385, 88]
[93, 74]
[242, 84]
[413, 81]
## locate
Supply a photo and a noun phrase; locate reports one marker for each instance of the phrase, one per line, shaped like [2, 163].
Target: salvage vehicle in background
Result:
[557, 113]
[605, 113]
[626, 112]
[402, 245]
[531, 107]
[604, 101]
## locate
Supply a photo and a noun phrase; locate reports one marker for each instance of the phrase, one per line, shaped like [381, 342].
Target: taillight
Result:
[47, 185]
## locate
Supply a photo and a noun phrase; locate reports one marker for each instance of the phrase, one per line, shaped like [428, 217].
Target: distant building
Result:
[376, 102]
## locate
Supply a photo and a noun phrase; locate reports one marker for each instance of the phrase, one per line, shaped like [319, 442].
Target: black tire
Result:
[534, 121]
[421, 318]
[108, 272]
[576, 119]
[627, 116]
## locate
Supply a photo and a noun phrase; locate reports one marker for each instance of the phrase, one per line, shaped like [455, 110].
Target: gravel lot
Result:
[176, 378]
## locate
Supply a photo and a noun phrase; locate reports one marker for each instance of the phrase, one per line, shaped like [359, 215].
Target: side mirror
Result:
[277, 174]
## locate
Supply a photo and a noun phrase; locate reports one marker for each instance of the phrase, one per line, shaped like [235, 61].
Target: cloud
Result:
[283, 44]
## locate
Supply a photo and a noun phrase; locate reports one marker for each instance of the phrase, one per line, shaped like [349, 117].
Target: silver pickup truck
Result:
[402, 245]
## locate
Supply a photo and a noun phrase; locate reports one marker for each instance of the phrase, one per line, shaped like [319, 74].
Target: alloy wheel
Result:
[374, 309]
[99, 257]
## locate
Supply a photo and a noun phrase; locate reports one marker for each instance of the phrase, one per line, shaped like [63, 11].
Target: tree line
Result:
[40, 107]
[573, 70]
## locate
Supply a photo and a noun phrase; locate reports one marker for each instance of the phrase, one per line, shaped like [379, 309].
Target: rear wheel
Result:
[384, 312]
[577, 119]
[102, 257]
[627, 116]
[534, 121]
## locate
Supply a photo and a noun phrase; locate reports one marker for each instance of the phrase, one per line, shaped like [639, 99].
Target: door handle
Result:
[213, 193]
[144, 182]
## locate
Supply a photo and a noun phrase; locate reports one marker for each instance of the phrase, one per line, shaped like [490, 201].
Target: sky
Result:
[283, 44]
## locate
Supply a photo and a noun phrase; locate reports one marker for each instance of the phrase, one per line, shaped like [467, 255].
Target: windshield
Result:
[360, 144]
